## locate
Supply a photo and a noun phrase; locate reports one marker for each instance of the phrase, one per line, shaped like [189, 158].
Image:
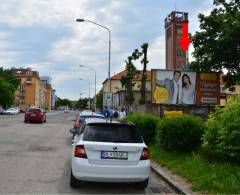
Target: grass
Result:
[206, 176]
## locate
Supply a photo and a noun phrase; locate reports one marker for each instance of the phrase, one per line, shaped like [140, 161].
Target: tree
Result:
[217, 45]
[63, 102]
[9, 77]
[6, 93]
[8, 85]
[82, 103]
[99, 98]
[144, 61]
[127, 81]
[136, 55]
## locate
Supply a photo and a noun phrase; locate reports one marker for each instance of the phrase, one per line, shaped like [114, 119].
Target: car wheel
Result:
[25, 121]
[74, 183]
[142, 184]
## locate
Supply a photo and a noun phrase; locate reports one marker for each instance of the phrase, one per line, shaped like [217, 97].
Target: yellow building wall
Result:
[31, 88]
[229, 93]
[116, 86]
[48, 98]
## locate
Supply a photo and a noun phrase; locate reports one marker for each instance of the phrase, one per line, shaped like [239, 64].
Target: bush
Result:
[222, 135]
[147, 125]
[181, 133]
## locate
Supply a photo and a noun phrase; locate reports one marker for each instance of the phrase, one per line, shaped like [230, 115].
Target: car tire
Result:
[74, 183]
[25, 121]
[142, 185]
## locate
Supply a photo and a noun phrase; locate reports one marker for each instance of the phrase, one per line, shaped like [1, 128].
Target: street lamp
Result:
[109, 48]
[89, 99]
[95, 101]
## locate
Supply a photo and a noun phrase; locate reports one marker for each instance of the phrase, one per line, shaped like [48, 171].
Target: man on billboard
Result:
[173, 87]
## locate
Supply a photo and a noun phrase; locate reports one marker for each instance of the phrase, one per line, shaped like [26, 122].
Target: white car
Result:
[11, 111]
[109, 151]
[66, 110]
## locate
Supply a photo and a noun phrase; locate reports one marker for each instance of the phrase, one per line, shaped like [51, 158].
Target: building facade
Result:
[31, 91]
[176, 58]
[119, 92]
[225, 94]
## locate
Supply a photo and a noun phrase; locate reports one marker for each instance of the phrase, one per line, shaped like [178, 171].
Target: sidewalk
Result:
[178, 183]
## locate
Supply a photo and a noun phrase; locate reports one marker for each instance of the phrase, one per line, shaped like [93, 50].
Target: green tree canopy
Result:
[217, 45]
[127, 81]
[63, 102]
[82, 103]
[9, 77]
[6, 93]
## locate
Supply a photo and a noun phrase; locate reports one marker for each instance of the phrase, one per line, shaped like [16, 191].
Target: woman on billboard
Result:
[188, 90]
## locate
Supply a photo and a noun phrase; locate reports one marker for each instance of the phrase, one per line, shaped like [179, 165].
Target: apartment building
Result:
[31, 91]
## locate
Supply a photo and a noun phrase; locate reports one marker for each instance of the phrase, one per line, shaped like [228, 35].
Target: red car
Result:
[35, 115]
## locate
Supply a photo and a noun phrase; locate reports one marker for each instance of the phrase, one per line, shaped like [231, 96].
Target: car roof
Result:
[107, 121]
[90, 113]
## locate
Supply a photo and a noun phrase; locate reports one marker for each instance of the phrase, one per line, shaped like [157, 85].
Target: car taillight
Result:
[145, 154]
[80, 152]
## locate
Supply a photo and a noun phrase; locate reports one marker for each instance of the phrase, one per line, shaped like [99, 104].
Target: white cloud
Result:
[194, 26]
[7, 56]
[26, 13]
[157, 53]
[81, 43]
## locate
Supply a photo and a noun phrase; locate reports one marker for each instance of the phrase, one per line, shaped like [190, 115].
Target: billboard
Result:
[180, 87]
[107, 99]
[208, 88]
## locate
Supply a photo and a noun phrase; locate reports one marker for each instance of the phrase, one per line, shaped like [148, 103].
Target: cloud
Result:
[60, 44]
[194, 26]
[27, 13]
[157, 53]
[7, 56]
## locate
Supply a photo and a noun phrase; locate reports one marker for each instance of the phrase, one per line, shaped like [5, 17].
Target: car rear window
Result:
[112, 133]
[34, 110]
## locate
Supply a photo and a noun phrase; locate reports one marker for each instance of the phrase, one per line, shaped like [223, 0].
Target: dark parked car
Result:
[81, 118]
[35, 115]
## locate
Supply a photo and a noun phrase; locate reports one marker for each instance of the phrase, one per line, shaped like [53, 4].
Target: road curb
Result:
[173, 184]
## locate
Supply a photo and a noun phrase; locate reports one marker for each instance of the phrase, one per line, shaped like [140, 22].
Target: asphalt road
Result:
[35, 158]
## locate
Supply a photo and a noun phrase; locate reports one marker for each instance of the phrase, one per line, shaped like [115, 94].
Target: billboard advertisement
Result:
[185, 88]
[107, 99]
[208, 88]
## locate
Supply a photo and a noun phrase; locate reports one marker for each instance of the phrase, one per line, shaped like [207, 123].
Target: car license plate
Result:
[33, 114]
[114, 155]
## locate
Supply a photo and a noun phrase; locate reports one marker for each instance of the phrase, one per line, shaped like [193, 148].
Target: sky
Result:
[44, 35]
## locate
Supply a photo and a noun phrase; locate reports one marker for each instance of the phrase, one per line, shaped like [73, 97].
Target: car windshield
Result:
[34, 110]
[112, 133]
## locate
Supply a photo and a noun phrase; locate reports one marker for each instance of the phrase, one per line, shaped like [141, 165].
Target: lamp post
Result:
[109, 47]
[89, 98]
[95, 102]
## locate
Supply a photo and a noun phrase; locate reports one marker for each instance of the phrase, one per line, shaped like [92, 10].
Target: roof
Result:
[90, 113]
[137, 77]
[24, 72]
[106, 121]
